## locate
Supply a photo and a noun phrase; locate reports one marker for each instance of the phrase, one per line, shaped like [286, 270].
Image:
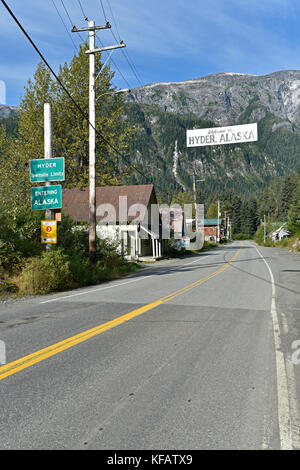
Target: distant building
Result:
[280, 233]
[126, 214]
[211, 232]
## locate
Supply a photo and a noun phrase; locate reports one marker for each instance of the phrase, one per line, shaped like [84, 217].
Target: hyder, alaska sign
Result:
[50, 169]
[46, 197]
[221, 135]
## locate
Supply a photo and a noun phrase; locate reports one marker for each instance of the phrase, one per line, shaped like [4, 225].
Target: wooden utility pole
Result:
[92, 130]
[218, 233]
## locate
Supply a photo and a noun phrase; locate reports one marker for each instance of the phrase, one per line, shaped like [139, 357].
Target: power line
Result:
[63, 86]
[84, 15]
[114, 63]
[101, 3]
[69, 17]
[113, 18]
[67, 13]
[62, 20]
[125, 53]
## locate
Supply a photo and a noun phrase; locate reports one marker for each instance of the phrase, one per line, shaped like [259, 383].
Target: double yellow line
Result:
[38, 356]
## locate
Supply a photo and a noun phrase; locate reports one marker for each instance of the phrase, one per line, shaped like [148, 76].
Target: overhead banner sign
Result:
[221, 135]
[48, 231]
[46, 197]
[47, 169]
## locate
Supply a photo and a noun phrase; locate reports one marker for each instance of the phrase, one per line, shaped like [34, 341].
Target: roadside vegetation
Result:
[291, 202]
[27, 268]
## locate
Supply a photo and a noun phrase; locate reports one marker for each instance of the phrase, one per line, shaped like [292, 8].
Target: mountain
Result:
[8, 111]
[162, 112]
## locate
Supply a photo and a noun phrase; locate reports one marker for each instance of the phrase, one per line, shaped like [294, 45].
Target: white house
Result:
[280, 233]
[127, 214]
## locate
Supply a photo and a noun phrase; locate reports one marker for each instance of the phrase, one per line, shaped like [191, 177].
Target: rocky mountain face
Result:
[164, 111]
[8, 111]
[224, 97]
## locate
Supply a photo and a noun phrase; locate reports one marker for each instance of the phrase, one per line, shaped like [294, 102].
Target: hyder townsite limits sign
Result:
[51, 169]
[221, 135]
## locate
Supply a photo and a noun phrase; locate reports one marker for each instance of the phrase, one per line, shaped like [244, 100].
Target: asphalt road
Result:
[208, 367]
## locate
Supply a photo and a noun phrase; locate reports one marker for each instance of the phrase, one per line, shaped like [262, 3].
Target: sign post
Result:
[47, 197]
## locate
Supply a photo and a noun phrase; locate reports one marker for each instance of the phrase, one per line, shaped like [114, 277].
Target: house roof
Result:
[75, 201]
[212, 222]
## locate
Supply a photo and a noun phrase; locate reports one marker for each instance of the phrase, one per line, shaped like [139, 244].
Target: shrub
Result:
[48, 273]
[242, 236]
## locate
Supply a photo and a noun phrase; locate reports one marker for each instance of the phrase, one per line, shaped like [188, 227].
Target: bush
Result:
[208, 245]
[71, 236]
[242, 236]
[48, 273]
[56, 270]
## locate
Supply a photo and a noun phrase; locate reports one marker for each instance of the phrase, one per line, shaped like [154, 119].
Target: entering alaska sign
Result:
[221, 135]
[46, 197]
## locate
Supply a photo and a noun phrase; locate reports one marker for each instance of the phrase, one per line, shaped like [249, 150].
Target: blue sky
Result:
[167, 40]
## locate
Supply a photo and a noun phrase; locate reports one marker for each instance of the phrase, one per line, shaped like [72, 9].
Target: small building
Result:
[126, 214]
[280, 233]
[211, 232]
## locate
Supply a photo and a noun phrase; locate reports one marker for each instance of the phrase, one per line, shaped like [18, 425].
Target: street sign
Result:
[221, 135]
[46, 197]
[48, 231]
[47, 169]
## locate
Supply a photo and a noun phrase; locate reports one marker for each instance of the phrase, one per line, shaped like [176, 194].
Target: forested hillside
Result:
[160, 151]
[249, 179]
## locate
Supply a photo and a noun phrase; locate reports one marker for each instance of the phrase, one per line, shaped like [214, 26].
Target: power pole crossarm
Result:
[106, 48]
[90, 28]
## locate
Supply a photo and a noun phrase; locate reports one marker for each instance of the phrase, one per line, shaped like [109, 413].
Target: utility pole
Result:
[49, 213]
[264, 229]
[195, 199]
[218, 233]
[92, 130]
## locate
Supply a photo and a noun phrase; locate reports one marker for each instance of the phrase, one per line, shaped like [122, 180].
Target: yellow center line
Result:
[38, 356]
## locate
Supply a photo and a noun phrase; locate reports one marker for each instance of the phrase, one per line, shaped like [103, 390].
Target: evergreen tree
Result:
[294, 212]
[212, 211]
[286, 194]
[236, 214]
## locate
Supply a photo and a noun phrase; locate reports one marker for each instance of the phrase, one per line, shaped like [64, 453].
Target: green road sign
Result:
[46, 197]
[47, 169]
